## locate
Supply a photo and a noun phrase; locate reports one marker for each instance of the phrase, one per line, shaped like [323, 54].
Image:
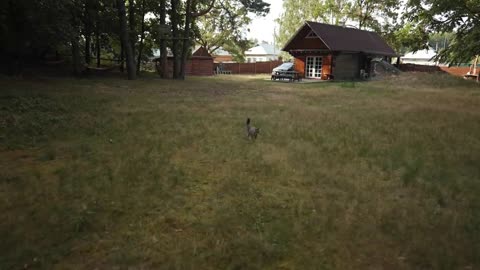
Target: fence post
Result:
[239, 68]
[255, 69]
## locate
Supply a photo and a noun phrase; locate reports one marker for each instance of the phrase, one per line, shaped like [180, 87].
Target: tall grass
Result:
[157, 174]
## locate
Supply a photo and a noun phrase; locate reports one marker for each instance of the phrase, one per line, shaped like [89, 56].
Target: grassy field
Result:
[152, 174]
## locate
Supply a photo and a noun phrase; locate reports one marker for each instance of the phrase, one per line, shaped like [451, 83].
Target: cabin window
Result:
[311, 34]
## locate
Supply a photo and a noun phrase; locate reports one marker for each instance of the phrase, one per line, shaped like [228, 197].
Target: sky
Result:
[262, 28]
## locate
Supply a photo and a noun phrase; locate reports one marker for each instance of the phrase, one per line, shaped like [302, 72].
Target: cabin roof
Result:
[201, 52]
[339, 38]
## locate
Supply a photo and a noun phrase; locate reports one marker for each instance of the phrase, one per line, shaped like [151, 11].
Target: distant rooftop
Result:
[425, 54]
[263, 49]
[220, 52]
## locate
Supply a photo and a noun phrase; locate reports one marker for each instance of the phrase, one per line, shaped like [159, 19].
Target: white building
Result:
[422, 57]
[262, 53]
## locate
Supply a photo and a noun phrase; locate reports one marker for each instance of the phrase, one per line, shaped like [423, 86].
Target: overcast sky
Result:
[262, 28]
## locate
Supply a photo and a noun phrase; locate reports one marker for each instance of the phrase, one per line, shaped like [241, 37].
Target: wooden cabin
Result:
[324, 51]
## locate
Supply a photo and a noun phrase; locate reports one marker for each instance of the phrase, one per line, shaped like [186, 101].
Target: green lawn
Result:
[153, 174]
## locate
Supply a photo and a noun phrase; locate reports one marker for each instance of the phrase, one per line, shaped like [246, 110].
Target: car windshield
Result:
[285, 66]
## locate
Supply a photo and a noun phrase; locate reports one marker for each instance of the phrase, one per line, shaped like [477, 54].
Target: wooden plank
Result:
[326, 67]
[299, 65]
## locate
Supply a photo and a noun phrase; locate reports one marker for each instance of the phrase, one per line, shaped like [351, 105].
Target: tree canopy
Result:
[462, 17]
[119, 31]
[225, 27]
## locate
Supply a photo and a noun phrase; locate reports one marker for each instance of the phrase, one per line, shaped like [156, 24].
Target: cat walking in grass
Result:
[252, 132]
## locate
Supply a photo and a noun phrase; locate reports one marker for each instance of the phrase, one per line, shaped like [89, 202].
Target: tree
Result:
[112, 29]
[224, 26]
[460, 16]
[88, 26]
[175, 21]
[142, 36]
[31, 29]
[124, 35]
[162, 37]
[367, 13]
[132, 11]
[440, 41]
[74, 19]
[407, 37]
[238, 48]
[193, 10]
[191, 14]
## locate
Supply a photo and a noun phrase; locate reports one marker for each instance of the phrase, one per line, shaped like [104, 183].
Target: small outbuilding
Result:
[199, 64]
[324, 51]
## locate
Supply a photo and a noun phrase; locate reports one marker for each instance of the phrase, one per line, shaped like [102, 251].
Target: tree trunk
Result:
[88, 43]
[122, 57]
[475, 65]
[190, 15]
[186, 39]
[98, 46]
[76, 56]
[122, 14]
[132, 26]
[88, 32]
[475, 69]
[140, 46]
[175, 35]
[163, 41]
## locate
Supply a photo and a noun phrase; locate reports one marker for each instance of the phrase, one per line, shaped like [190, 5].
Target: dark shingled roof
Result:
[339, 38]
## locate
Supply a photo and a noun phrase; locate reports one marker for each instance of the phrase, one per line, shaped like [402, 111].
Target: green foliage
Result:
[445, 16]
[27, 25]
[407, 38]
[225, 27]
[33, 30]
[441, 40]
[238, 48]
[369, 14]
[259, 7]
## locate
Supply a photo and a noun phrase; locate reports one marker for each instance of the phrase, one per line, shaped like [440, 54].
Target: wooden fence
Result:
[250, 68]
[457, 71]
[266, 67]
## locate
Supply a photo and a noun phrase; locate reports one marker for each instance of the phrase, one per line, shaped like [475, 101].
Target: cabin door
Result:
[314, 67]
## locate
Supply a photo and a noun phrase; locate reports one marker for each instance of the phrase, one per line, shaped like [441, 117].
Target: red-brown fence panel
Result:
[457, 71]
[250, 68]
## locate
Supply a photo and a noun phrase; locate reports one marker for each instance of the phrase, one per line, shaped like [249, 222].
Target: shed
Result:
[199, 64]
[324, 51]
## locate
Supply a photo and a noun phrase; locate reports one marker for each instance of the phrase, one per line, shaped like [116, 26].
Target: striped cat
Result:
[252, 132]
